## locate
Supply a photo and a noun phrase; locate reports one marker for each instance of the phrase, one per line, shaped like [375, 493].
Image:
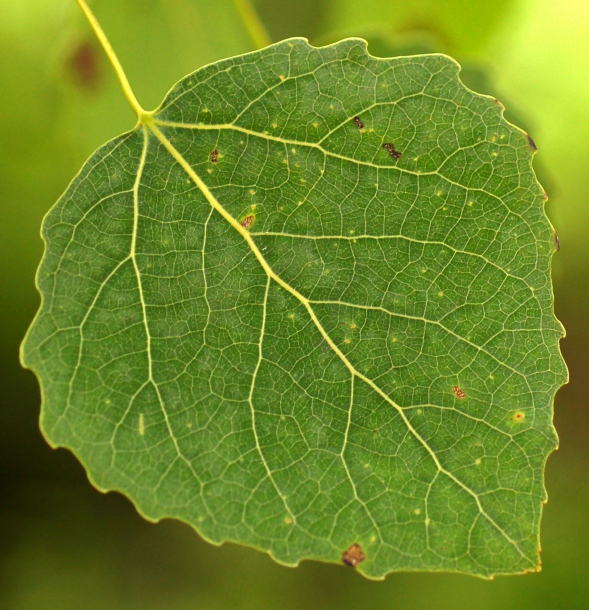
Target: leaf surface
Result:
[260, 320]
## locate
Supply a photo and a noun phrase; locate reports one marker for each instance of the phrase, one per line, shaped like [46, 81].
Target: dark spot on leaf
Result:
[499, 103]
[247, 222]
[518, 417]
[390, 148]
[531, 142]
[359, 123]
[84, 67]
[556, 241]
[353, 556]
[214, 156]
[165, 179]
[458, 392]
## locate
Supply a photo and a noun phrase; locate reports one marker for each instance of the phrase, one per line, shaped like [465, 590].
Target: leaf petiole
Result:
[143, 115]
[254, 25]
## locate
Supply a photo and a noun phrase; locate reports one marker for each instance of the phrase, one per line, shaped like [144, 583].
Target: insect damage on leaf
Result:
[247, 222]
[458, 392]
[353, 556]
[390, 148]
[287, 387]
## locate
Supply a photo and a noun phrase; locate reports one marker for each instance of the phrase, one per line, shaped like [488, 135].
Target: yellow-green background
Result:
[64, 545]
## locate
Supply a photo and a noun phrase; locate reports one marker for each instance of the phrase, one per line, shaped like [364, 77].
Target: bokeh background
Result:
[63, 545]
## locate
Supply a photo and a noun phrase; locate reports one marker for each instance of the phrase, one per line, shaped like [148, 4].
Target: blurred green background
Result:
[63, 544]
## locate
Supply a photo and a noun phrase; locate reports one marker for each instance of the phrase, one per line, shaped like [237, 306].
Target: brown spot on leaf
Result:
[358, 122]
[214, 156]
[353, 556]
[458, 392]
[84, 66]
[247, 222]
[556, 241]
[390, 148]
[531, 142]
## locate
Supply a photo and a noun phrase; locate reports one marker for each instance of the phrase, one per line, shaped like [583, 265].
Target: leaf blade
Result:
[380, 311]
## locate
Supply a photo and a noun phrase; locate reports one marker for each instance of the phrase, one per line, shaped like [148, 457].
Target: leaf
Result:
[259, 319]
[462, 27]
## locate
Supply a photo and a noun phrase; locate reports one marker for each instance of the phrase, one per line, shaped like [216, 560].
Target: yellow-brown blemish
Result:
[247, 222]
[353, 555]
[141, 424]
[458, 392]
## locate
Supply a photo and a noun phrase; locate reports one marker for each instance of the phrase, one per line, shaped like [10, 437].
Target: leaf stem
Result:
[142, 115]
[254, 25]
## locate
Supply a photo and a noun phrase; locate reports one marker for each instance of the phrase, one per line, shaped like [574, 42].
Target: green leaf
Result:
[258, 320]
[462, 27]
